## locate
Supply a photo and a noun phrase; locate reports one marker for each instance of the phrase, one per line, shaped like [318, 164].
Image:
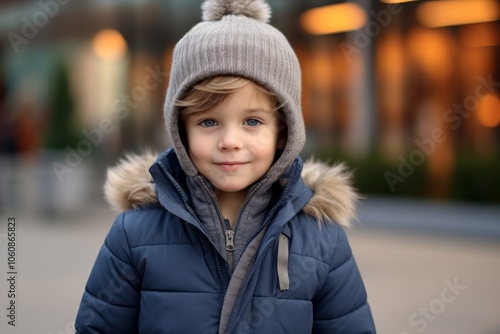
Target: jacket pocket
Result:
[273, 315]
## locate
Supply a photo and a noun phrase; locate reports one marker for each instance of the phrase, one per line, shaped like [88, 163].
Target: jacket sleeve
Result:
[341, 305]
[110, 303]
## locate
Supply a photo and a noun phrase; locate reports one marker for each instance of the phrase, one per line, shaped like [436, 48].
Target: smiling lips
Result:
[230, 166]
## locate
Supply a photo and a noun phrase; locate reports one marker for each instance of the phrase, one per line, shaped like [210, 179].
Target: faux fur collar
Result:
[130, 185]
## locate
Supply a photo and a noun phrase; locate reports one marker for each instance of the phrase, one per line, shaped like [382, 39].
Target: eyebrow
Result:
[259, 110]
[249, 110]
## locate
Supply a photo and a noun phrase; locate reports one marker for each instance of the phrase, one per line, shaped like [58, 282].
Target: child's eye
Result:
[253, 122]
[208, 123]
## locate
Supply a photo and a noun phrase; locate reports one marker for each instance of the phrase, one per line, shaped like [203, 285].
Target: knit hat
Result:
[235, 39]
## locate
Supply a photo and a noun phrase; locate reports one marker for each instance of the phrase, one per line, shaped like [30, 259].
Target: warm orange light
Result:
[433, 50]
[109, 44]
[396, 1]
[434, 14]
[488, 113]
[480, 35]
[334, 19]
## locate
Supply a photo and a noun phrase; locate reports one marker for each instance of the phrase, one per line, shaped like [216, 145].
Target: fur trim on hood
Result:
[129, 185]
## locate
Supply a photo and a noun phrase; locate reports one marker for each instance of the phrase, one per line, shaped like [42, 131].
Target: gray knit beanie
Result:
[235, 39]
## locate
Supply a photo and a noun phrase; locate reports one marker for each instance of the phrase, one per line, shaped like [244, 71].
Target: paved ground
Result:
[426, 268]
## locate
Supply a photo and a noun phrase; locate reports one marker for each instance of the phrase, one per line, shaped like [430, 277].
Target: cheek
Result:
[265, 144]
[196, 145]
[267, 137]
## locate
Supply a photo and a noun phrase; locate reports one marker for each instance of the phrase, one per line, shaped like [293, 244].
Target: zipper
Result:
[257, 263]
[249, 196]
[229, 244]
[228, 232]
[214, 200]
[203, 231]
[226, 228]
[229, 241]
[247, 199]
[230, 247]
[264, 247]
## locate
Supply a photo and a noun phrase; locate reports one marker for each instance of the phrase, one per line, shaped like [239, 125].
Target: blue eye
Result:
[252, 122]
[208, 123]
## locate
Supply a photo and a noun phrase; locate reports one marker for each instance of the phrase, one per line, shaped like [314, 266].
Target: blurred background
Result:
[407, 93]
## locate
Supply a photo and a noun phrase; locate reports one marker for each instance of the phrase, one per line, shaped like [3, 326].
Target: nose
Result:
[230, 139]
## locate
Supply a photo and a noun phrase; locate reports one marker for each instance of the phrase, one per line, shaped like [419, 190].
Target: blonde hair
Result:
[211, 92]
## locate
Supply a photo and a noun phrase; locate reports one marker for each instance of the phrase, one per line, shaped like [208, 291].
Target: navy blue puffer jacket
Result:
[158, 271]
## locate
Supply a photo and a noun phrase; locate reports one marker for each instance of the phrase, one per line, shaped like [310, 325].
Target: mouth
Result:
[230, 165]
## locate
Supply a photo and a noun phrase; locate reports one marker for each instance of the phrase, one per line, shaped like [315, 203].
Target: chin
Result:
[230, 188]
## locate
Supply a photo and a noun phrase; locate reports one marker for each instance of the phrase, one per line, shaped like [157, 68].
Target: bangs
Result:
[211, 92]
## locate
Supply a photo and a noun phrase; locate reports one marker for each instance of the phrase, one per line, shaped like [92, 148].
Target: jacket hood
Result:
[235, 40]
[129, 185]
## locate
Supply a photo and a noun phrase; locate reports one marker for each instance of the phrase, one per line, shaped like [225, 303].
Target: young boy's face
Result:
[233, 145]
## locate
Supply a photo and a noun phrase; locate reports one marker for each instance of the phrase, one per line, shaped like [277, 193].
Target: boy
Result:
[225, 235]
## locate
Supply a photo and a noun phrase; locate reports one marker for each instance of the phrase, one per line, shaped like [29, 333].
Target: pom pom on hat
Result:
[215, 10]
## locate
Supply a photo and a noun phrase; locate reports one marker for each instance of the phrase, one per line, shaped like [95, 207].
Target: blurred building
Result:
[415, 83]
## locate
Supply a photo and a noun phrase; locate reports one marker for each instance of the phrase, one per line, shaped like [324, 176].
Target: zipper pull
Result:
[229, 240]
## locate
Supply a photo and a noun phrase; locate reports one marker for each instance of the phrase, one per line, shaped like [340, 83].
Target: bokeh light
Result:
[434, 14]
[333, 19]
[109, 44]
[488, 113]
